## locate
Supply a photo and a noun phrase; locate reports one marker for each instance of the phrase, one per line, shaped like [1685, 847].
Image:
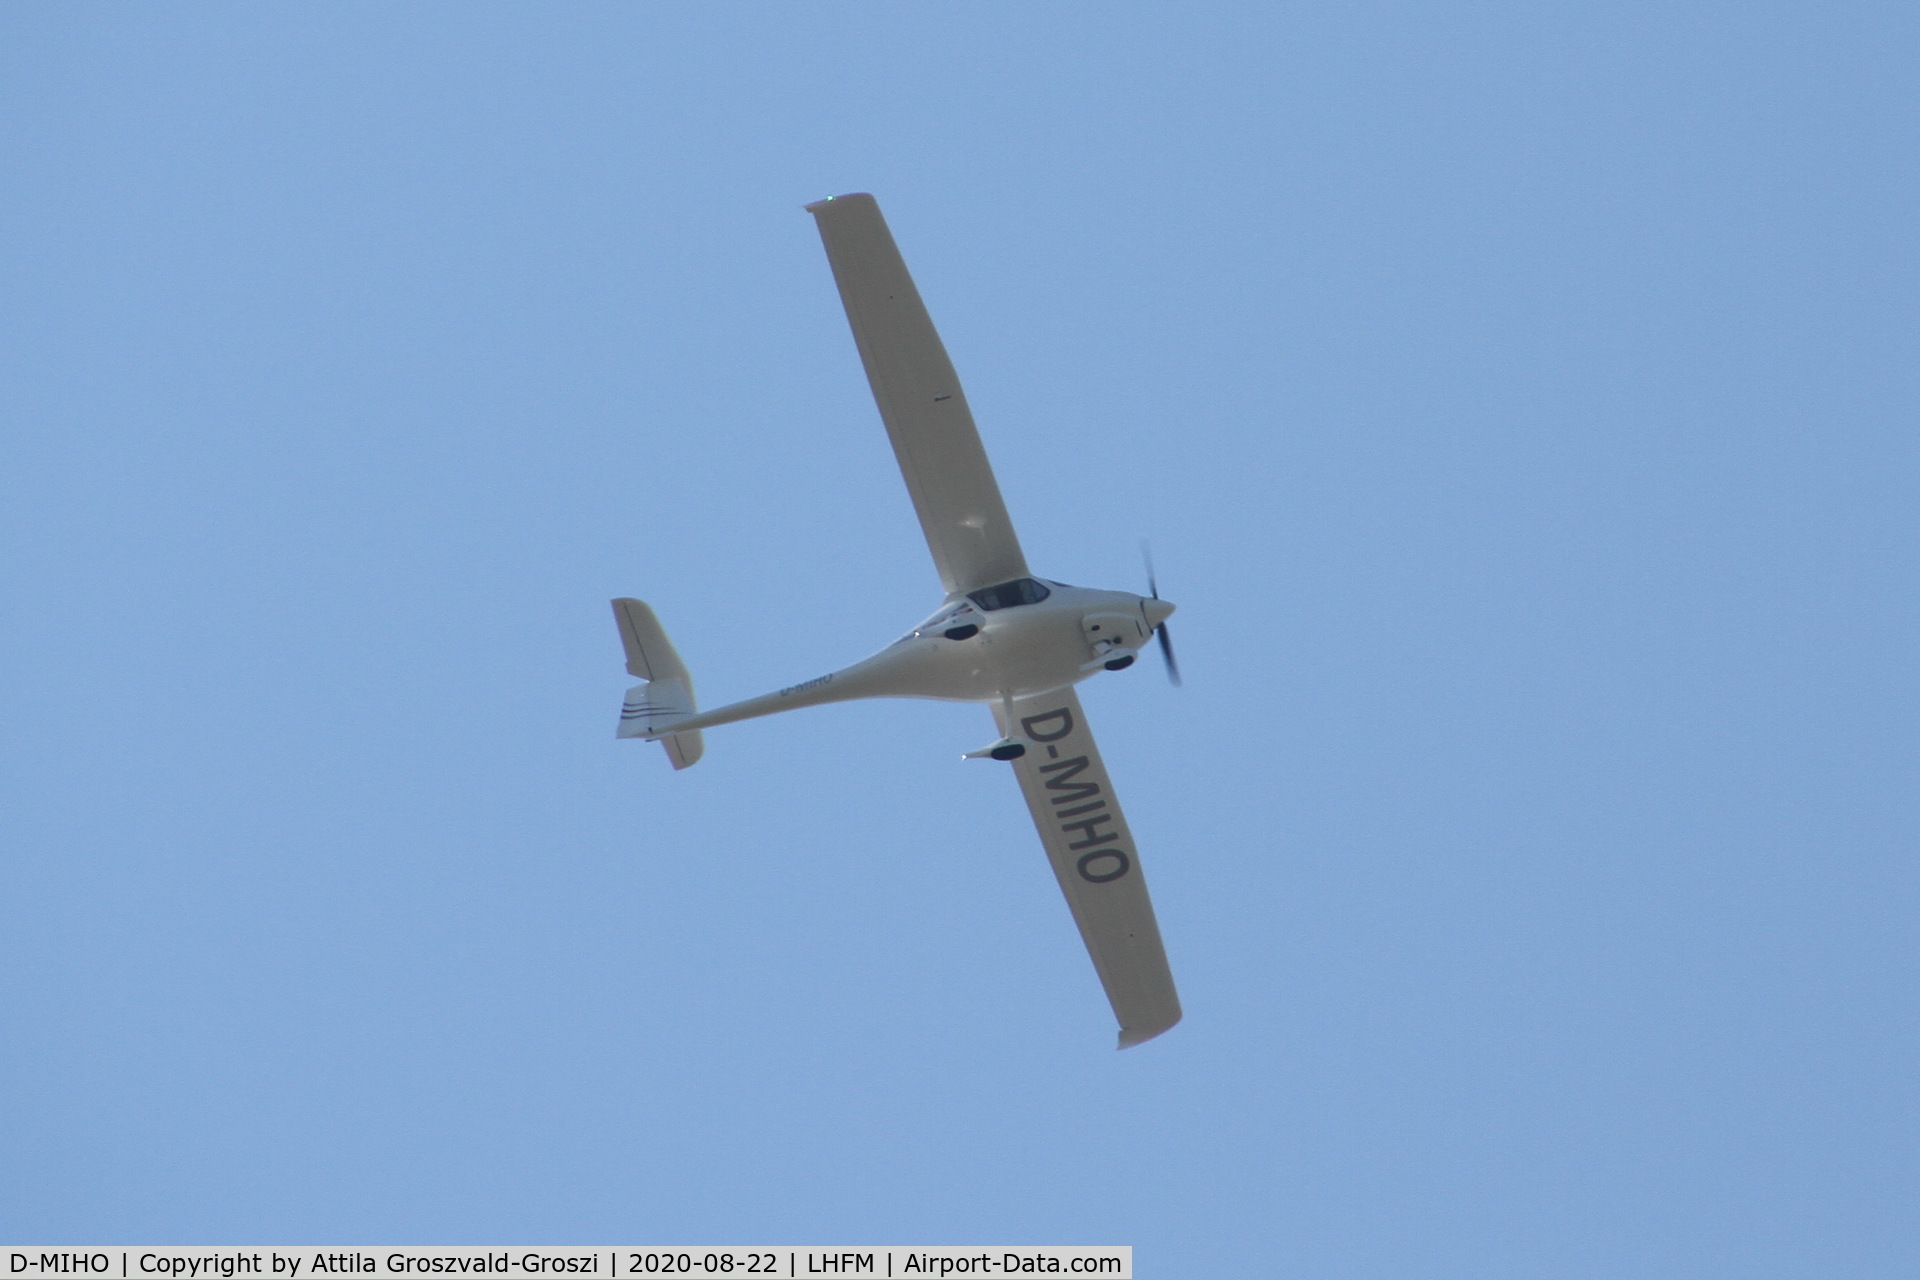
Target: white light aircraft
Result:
[1001, 636]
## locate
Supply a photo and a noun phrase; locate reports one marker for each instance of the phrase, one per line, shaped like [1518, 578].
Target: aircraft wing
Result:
[1094, 858]
[920, 400]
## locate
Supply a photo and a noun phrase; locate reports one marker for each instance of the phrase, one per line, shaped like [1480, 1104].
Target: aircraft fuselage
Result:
[982, 647]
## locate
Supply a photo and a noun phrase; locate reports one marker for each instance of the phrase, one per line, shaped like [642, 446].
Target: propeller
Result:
[1166, 641]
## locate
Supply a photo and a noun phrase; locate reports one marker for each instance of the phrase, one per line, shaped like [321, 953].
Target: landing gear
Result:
[967, 632]
[1119, 664]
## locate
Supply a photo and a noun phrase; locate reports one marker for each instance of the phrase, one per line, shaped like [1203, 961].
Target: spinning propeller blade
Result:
[1166, 640]
[1166, 651]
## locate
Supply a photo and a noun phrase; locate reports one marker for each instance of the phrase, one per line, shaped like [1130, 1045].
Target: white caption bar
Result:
[606, 1262]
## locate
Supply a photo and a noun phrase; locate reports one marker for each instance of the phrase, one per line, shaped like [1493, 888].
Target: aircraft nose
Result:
[1157, 611]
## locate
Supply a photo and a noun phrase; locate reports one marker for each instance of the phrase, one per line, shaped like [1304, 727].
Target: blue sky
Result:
[1520, 402]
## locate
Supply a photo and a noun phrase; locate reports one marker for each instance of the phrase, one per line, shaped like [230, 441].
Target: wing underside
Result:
[1094, 859]
[920, 400]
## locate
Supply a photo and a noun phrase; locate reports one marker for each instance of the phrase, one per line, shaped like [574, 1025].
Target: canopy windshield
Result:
[1009, 594]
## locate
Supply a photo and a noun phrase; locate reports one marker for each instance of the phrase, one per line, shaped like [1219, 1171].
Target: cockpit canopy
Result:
[1008, 594]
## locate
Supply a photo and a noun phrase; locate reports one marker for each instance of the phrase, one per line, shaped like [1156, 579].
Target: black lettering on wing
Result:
[1071, 792]
[1103, 866]
[1028, 726]
[1093, 834]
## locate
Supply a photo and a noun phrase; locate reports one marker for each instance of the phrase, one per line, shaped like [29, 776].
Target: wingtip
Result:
[1131, 1036]
[818, 205]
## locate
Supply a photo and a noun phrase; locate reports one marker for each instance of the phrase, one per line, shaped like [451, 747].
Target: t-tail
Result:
[652, 709]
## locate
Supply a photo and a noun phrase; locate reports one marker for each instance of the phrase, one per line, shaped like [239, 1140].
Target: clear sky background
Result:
[1520, 401]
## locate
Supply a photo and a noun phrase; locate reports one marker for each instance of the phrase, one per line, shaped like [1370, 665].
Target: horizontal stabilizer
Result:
[650, 655]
